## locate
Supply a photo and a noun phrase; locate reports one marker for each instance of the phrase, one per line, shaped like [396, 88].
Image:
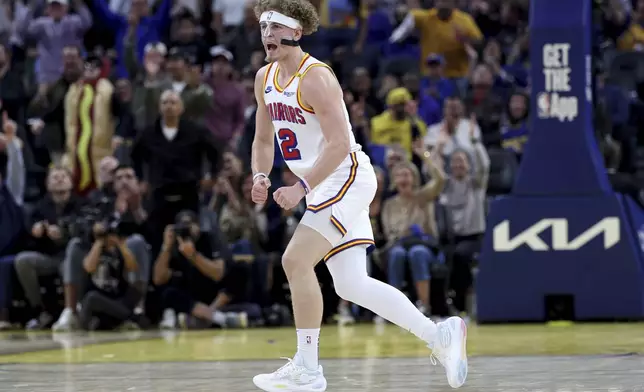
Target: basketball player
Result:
[300, 101]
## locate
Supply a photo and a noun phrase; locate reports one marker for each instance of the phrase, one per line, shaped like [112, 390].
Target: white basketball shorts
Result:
[338, 208]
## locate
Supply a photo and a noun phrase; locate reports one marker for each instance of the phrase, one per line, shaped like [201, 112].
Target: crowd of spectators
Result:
[126, 135]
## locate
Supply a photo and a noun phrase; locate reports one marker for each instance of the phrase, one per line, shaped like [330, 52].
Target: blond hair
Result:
[301, 10]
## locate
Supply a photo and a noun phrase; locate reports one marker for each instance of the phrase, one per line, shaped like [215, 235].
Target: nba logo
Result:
[269, 16]
[543, 105]
[308, 340]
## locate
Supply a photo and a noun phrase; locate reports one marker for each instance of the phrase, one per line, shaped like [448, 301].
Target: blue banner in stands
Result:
[561, 156]
[582, 247]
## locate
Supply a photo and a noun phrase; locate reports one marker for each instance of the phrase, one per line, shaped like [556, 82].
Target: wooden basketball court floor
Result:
[580, 357]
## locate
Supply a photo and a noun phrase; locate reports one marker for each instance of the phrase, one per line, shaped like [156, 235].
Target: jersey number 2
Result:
[288, 144]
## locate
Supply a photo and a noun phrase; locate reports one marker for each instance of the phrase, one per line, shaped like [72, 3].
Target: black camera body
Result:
[183, 230]
[81, 225]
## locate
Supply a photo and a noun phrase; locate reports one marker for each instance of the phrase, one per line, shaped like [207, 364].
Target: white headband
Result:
[276, 17]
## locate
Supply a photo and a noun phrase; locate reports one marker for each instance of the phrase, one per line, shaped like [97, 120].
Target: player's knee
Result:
[347, 286]
[290, 265]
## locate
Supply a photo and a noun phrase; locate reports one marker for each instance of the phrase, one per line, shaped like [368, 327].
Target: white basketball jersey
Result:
[297, 128]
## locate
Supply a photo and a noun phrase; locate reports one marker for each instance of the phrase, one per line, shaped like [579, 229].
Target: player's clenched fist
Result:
[259, 193]
[288, 197]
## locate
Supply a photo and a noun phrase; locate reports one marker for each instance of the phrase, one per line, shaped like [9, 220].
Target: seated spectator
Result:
[514, 134]
[110, 300]
[454, 128]
[464, 198]
[197, 276]
[229, 179]
[118, 198]
[12, 187]
[397, 125]
[345, 314]
[410, 226]
[238, 220]
[49, 237]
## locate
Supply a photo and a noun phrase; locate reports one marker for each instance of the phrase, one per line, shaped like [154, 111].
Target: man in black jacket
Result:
[169, 156]
[49, 239]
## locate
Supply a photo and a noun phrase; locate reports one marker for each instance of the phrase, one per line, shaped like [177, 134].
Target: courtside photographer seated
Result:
[118, 200]
[198, 278]
[110, 300]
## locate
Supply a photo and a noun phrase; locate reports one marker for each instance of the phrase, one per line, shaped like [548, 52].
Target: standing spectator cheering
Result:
[443, 30]
[54, 32]
[136, 30]
[226, 119]
[464, 196]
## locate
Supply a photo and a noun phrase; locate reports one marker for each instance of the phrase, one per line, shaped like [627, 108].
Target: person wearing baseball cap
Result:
[434, 83]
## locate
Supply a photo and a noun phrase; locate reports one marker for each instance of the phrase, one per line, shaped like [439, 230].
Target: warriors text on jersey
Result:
[298, 130]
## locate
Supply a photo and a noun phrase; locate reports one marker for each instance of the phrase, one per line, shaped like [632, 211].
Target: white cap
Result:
[63, 2]
[220, 50]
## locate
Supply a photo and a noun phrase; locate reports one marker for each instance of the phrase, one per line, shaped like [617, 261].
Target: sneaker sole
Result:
[286, 388]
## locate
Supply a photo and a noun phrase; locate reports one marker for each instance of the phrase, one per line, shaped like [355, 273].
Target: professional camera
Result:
[80, 225]
[183, 230]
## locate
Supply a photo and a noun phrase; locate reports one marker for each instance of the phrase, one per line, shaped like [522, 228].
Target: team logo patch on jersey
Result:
[289, 93]
[268, 89]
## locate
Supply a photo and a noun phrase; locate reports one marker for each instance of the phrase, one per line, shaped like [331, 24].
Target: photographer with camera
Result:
[123, 207]
[49, 234]
[195, 269]
[110, 300]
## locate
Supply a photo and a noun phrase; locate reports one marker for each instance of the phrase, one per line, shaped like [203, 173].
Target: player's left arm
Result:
[321, 91]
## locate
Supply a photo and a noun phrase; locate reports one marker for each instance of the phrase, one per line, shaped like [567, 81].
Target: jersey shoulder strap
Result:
[311, 63]
[268, 75]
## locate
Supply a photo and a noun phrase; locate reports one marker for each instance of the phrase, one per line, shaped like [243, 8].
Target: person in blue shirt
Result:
[136, 30]
[435, 84]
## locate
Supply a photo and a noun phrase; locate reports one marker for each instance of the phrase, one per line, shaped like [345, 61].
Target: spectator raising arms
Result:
[464, 197]
[410, 226]
[136, 30]
[54, 32]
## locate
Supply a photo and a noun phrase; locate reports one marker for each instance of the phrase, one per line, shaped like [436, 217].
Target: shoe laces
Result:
[287, 369]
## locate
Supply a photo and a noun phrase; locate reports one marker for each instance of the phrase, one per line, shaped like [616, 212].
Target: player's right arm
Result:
[263, 150]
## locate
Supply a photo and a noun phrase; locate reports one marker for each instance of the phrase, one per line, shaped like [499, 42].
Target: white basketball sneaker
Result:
[292, 377]
[449, 349]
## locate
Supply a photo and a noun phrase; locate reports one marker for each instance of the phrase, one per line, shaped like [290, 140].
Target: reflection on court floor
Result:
[359, 358]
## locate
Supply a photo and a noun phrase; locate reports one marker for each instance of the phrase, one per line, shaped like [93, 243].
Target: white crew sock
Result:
[307, 347]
